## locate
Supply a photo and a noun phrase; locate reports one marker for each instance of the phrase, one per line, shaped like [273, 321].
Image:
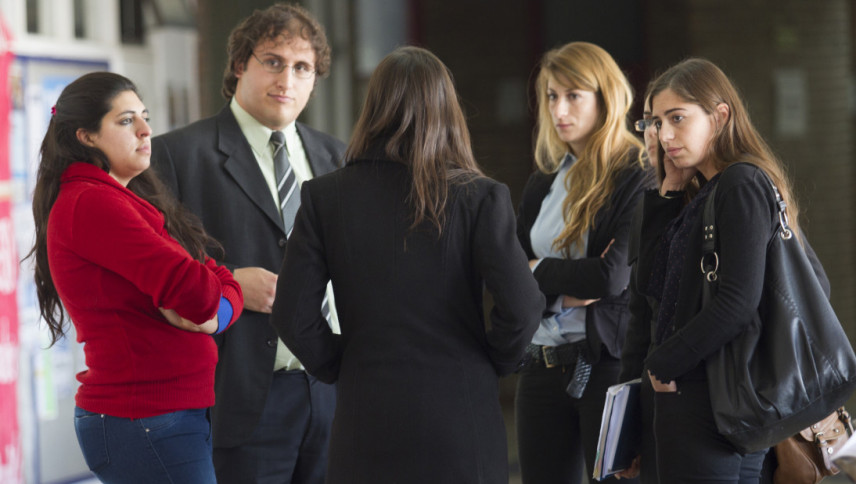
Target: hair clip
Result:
[53, 110]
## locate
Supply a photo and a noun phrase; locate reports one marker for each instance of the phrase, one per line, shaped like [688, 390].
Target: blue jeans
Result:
[170, 448]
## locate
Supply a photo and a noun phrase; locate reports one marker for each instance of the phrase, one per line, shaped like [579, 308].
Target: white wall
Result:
[165, 70]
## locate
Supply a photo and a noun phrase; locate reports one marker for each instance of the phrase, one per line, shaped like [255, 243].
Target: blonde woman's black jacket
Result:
[592, 277]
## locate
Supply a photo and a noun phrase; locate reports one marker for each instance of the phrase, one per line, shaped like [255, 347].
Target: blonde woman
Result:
[574, 222]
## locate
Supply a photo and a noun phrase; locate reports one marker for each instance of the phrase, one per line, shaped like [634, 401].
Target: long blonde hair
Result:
[701, 82]
[611, 146]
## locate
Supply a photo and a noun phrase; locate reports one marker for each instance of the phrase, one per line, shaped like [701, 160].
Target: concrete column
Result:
[216, 19]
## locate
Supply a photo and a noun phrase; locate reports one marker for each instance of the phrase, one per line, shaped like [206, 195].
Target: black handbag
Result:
[793, 366]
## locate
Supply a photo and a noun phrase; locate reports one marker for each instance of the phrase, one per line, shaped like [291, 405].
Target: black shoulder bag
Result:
[793, 366]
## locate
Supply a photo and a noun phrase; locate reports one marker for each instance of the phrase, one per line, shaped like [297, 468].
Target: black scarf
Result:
[669, 261]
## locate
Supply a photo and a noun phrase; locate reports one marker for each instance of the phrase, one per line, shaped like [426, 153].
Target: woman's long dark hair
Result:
[699, 81]
[412, 107]
[82, 105]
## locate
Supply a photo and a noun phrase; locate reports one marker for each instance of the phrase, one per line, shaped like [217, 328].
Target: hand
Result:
[668, 387]
[532, 263]
[676, 178]
[632, 471]
[572, 302]
[608, 246]
[208, 327]
[258, 286]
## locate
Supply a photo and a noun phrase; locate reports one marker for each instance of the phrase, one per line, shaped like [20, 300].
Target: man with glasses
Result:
[636, 337]
[240, 171]
[649, 135]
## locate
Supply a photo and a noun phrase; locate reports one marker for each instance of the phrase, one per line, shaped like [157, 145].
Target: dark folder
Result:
[620, 429]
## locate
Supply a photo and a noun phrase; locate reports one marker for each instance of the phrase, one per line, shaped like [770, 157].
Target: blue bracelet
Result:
[224, 315]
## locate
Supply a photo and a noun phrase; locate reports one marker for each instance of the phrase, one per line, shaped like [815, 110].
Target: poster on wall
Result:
[47, 381]
[10, 442]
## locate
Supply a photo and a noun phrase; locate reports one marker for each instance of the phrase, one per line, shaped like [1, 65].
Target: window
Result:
[131, 21]
[79, 19]
[33, 16]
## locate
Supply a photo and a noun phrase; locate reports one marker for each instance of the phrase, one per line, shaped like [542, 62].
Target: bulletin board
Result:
[46, 377]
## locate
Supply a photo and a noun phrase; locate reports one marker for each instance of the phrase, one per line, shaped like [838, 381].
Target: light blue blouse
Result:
[563, 325]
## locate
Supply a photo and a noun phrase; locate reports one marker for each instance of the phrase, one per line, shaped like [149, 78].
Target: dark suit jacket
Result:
[211, 168]
[417, 370]
[591, 277]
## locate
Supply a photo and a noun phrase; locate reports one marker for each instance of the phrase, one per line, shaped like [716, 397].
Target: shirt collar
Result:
[81, 171]
[88, 170]
[567, 161]
[257, 134]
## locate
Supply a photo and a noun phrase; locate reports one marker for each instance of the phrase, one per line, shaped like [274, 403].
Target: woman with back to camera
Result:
[574, 224]
[128, 265]
[410, 233]
[704, 131]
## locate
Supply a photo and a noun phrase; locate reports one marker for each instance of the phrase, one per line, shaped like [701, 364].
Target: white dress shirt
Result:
[258, 137]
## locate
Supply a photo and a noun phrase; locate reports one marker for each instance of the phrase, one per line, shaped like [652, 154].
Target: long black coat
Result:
[417, 370]
[212, 170]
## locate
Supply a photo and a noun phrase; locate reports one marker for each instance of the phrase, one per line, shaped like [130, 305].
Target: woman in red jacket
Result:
[128, 265]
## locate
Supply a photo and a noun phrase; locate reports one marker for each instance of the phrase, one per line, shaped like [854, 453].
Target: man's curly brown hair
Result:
[277, 22]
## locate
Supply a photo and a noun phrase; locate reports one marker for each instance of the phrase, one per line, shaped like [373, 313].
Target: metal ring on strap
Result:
[710, 275]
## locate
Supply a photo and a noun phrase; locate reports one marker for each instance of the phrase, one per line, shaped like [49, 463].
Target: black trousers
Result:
[289, 445]
[689, 447]
[556, 434]
[648, 451]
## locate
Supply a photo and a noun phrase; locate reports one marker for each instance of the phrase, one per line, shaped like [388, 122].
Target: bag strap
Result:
[786, 233]
[844, 416]
[708, 244]
[709, 257]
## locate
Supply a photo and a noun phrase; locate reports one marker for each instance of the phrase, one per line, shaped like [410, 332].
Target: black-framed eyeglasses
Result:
[274, 65]
[643, 124]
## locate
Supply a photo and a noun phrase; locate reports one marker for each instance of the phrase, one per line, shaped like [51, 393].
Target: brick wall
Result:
[792, 62]
[491, 53]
